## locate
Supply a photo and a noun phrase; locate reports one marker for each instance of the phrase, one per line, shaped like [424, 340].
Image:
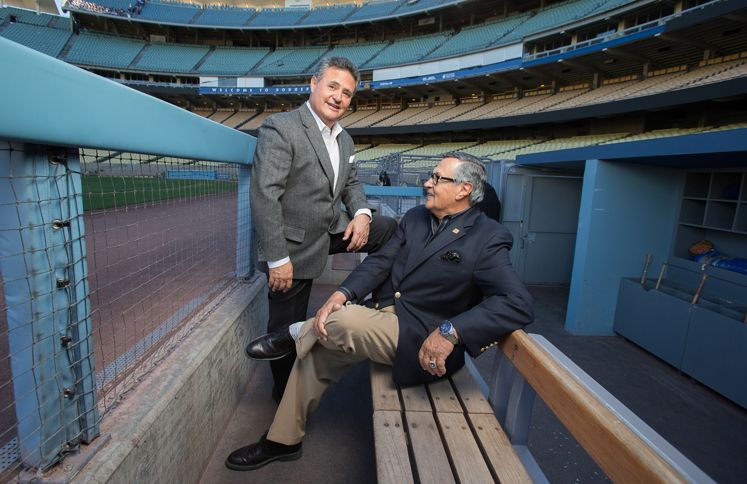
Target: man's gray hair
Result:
[471, 170]
[339, 62]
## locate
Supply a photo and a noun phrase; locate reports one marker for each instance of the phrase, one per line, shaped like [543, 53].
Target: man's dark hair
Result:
[339, 62]
[471, 170]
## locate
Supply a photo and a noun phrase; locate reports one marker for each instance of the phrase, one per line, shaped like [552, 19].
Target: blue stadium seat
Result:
[408, 50]
[359, 54]
[225, 16]
[472, 39]
[420, 5]
[44, 39]
[290, 60]
[104, 50]
[171, 57]
[369, 11]
[169, 13]
[547, 18]
[278, 17]
[328, 15]
[27, 16]
[232, 60]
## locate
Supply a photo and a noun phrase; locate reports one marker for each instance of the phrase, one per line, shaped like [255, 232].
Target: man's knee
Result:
[343, 320]
[344, 325]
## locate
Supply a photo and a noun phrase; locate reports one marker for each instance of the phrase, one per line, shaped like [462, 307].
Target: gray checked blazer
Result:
[294, 205]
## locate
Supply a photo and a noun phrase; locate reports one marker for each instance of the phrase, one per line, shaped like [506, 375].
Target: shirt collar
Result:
[336, 129]
[438, 225]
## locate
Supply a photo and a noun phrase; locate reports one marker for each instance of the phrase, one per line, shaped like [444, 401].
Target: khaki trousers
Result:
[354, 333]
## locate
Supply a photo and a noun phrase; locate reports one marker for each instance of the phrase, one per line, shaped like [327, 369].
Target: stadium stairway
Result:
[69, 45]
[197, 66]
[196, 16]
[251, 18]
[139, 56]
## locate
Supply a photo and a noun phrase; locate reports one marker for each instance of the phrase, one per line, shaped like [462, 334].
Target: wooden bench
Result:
[448, 431]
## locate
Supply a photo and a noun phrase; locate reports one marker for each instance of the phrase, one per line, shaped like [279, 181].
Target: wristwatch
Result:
[447, 331]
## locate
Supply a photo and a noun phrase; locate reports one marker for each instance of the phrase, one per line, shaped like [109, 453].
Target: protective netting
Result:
[107, 257]
[161, 239]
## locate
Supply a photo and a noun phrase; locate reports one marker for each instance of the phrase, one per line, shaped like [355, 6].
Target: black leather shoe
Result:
[271, 346]
[261, 453]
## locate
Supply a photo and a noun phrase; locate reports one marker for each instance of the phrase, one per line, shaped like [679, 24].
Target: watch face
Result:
[445, 327]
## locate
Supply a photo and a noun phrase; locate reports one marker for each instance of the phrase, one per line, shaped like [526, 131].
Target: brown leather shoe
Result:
[262, 453]
[271, 346]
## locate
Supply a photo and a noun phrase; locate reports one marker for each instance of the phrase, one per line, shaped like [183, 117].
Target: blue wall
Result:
[627, 211]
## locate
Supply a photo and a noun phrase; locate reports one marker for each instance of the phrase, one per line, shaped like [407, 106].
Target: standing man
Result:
[303, 169]
[445, 287]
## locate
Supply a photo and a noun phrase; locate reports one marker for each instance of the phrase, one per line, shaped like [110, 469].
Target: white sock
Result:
[294, 329]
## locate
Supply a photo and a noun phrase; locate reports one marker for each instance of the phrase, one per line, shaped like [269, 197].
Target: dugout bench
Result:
[448, 431]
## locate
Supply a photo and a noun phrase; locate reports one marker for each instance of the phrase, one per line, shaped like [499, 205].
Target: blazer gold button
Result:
[397, 295]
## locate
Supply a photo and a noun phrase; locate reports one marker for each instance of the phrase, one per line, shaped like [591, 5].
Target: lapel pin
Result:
[456, 231]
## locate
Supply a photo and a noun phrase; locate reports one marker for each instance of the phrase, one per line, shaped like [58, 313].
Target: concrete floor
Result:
[710, 430]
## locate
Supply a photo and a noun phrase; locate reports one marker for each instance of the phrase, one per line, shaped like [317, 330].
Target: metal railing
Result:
[121, 216]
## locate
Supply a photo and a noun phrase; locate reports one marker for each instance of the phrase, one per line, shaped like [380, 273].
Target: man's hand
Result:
[357, 232]
[280, 278]
[435, 348]
[335, 302]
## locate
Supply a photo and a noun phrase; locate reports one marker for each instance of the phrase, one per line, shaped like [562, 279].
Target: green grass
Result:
[100, 192]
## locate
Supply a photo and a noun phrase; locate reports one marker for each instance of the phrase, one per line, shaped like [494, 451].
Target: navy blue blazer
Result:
[464, 275]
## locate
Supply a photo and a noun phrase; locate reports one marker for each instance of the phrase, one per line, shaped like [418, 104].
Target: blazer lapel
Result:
[455, 231]
[317, 143]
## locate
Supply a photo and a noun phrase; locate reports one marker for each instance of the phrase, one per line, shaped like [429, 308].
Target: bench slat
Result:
[430, 455]
[392, 460]
[444, 398]
[468, 461]
[501, 455]
[472, 398]
[416, 399]
[622, 454]
[383, 391]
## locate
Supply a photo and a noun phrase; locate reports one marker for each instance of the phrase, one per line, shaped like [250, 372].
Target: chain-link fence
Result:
[106, 258]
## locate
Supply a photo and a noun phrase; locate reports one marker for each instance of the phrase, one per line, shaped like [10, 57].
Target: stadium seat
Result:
[371, 10]
[471, 39]
[407, 50]
[169, 13]
[290, 60]
[232, 60]
[225, 16]
[47, 40]
[104, 50]
[328, 15]
[278, 17]
[171, 57]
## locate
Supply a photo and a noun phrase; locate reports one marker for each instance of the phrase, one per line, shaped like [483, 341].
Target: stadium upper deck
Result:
[151, 53]
[176, 13]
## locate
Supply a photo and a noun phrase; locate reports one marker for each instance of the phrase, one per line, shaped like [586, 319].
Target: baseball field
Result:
[102, 192]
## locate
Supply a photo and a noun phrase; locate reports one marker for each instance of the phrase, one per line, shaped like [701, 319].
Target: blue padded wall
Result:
[627, 211]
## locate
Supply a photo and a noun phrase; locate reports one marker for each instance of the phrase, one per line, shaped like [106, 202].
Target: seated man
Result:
[444, 285]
